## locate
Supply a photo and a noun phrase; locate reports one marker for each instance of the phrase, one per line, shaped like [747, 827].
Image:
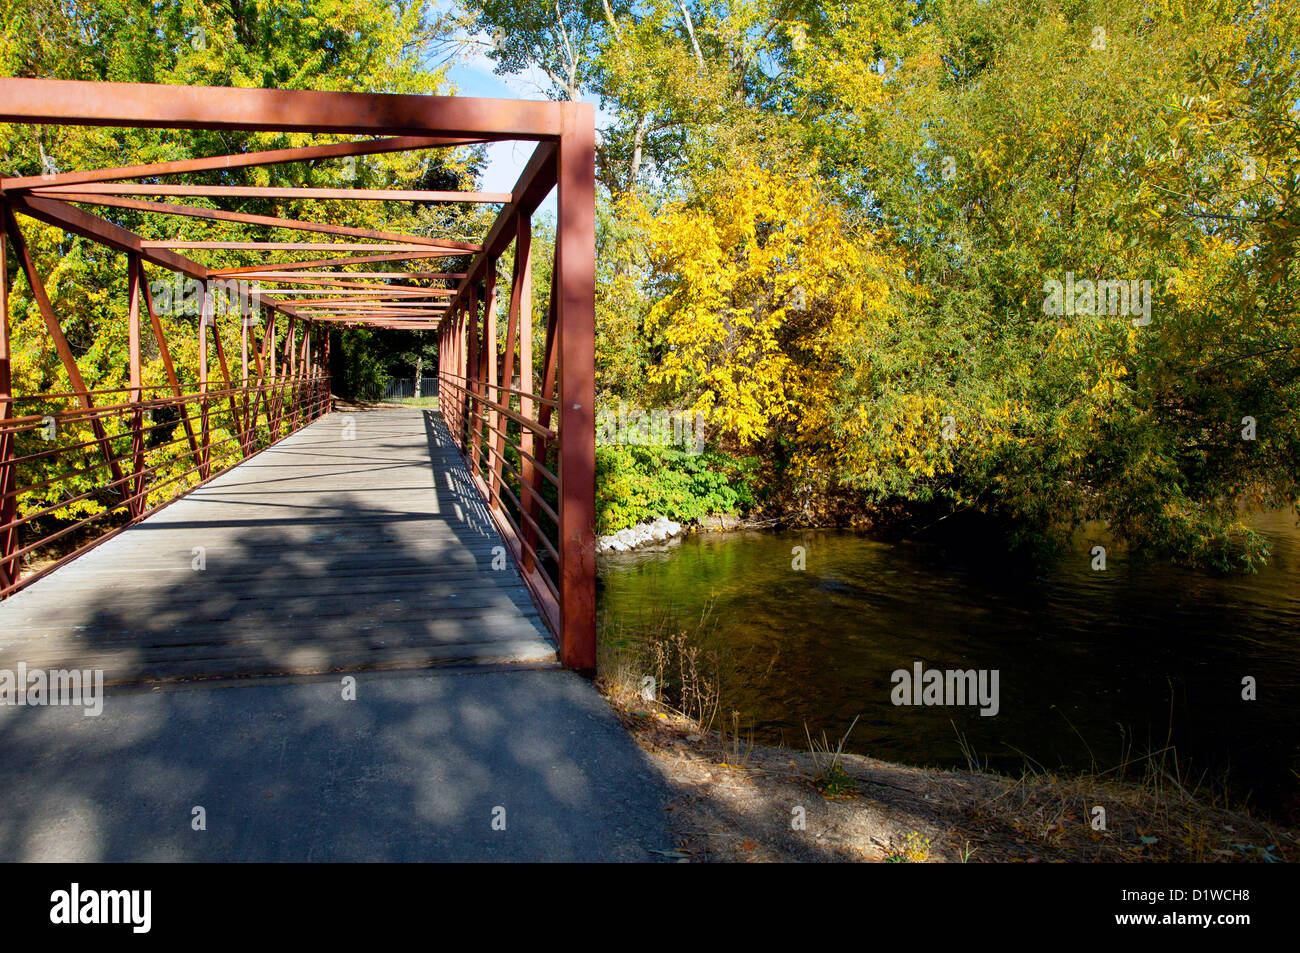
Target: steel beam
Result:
[165, 353]
[138, 498]
[276, 192]
[9, 570]
[414, 250]
[69, 360]
[82, 103]
[79, 222]
[270, 221]
[238, 160]
[576, 281]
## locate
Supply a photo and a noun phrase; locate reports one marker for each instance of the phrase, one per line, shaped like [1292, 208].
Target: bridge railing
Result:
[524, 422]
[77, 467]
[514, 458]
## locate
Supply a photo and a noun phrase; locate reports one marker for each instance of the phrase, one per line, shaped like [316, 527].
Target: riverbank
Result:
[734, 801]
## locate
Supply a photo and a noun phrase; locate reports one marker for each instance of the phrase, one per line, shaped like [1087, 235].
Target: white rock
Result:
[658, 531]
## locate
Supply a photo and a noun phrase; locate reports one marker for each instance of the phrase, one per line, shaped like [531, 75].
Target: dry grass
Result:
[666, 666]
[732, 809]
[1158, 818]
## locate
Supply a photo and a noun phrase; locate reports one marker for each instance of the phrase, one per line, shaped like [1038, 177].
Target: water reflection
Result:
[1093, 664]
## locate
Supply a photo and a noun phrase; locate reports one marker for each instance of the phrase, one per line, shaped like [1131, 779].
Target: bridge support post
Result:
[289, 367]
[576, 300]
[165, 353]
[474, 431]
[8, 466]
[488, 374]
[544, 416]
[518, 333]
[304, 375]
[205, 437]
[327, 383]
[463, 371]
[139, 496]
[236, 421]
[272, 381]
[245, 311]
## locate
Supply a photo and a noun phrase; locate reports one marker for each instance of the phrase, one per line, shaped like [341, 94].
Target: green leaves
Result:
[637, 484]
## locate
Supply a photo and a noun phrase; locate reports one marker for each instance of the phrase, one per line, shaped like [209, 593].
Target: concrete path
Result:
[323, 554]
[415, 769]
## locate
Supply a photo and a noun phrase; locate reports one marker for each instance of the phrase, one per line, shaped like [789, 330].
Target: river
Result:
[1094, 667]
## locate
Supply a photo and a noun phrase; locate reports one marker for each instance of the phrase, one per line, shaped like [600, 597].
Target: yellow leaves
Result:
[757, 270]
[1197, 283]
[1110, 374]
[900, 433]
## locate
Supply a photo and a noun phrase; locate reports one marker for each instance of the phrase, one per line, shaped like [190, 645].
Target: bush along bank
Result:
[650, 488]
[646, 495]
[649, 494]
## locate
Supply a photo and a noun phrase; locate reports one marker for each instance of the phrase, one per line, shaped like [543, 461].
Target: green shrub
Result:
[637, 484]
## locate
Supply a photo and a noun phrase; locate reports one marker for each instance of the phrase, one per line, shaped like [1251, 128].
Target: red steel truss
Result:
[527, 436]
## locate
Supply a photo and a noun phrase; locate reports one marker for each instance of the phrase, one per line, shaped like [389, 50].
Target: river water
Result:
[1094, 667]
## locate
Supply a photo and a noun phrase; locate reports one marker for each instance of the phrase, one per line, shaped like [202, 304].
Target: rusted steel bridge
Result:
[335, 540]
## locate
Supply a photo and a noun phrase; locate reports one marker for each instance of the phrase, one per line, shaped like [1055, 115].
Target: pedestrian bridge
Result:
[195, 514]
[359, 542]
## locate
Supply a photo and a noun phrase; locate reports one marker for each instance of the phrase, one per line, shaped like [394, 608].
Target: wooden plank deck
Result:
[323, 554]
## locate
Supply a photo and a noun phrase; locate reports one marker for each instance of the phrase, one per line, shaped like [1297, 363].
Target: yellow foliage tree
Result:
[758, 288]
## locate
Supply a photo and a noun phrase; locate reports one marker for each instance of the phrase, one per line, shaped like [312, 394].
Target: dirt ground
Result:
[740, 802]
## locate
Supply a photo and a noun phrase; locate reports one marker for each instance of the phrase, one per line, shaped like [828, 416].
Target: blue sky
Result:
[472, 75]
[506, 160]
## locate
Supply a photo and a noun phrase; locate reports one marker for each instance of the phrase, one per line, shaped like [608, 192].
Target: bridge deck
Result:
[322, 554]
